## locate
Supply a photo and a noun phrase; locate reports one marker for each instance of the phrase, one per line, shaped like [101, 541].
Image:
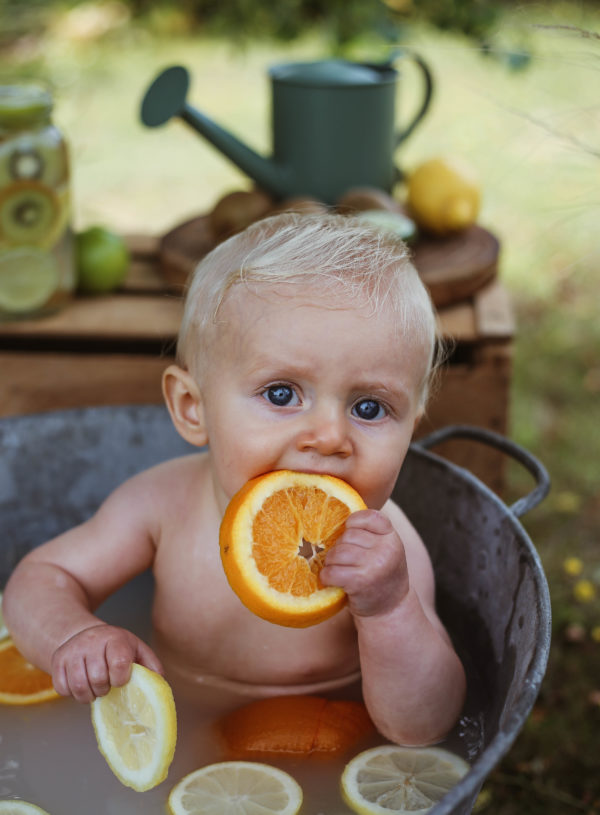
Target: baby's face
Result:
[311, 384]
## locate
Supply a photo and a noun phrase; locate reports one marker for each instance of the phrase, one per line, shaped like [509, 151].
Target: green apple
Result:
[102, 259]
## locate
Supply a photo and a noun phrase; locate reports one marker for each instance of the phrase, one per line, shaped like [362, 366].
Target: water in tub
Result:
[49, 755]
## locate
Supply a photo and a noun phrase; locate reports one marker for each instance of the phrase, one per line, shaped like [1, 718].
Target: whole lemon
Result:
[443, 195]
[102, 260]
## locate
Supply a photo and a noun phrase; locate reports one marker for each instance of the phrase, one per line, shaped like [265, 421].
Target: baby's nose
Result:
[326, 433]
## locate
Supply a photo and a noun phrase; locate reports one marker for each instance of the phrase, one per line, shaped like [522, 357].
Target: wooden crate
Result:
[112, 349]
[475, 384]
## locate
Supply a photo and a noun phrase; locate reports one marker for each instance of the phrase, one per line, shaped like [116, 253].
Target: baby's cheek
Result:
[376, 483]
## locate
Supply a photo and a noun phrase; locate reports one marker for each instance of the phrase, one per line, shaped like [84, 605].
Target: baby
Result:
[307, 343]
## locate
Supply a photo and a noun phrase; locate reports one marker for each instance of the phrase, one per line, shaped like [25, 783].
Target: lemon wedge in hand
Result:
[136, 729]
[443, 195]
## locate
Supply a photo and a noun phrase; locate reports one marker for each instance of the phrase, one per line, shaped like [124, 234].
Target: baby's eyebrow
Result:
[394, 391]
[272, 366]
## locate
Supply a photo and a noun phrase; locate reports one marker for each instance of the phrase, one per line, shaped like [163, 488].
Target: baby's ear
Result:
[184, 402]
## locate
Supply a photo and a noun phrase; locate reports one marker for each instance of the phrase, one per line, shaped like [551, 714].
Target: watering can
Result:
[333, 125]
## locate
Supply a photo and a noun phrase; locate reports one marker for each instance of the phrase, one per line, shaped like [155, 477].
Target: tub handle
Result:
[489, 437]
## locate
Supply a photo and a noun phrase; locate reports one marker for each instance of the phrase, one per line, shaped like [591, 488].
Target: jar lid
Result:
[23, 104]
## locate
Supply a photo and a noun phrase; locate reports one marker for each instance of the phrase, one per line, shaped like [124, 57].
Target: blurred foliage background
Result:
[343, 20]
[517, 96]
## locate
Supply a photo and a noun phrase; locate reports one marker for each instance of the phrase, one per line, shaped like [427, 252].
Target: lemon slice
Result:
[236, 788]
[3, 628]
[136, 729]
[28, 278]
[16, 807]
[391, 779]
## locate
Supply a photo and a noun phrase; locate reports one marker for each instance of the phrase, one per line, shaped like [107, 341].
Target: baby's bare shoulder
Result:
[151, 493]
[167, 476]
[402, 525]
[417, 556]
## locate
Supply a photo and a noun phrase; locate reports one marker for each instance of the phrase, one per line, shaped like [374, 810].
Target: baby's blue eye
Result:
[368, 409]
[280, 395]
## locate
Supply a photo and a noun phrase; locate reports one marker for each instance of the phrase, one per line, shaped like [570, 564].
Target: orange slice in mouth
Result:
[274, 537]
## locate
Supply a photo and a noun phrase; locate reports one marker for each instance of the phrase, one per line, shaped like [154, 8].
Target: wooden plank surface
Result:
[144, 317]
[494, 316]
[148, 309]
[37, 382]
[474, 394]
[111, 317]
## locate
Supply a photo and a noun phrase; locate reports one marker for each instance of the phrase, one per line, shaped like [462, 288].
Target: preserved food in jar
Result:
[37, 273]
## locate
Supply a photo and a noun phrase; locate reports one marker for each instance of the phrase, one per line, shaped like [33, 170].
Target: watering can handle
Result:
[530, 462]
[400, 53]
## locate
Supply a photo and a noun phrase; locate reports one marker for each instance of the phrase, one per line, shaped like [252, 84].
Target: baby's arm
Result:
[49, 600]
[413, 681]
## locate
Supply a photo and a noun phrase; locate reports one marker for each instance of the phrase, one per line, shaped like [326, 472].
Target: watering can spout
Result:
[166, 98]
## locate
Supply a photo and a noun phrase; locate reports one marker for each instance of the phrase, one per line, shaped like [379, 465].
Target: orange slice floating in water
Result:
[21, 683]
[274, 537]
[294, 725]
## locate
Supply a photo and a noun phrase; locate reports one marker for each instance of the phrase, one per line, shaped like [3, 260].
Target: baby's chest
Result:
[189, 579]
[197, 612]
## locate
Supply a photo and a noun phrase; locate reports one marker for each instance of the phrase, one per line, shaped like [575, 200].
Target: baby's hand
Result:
[91, 662]
[369, 563]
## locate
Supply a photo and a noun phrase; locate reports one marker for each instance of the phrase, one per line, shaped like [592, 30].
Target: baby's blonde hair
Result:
[333, 253]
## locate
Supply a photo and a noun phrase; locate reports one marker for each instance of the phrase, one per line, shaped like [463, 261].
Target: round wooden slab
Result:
[452, 268]
[455, 267]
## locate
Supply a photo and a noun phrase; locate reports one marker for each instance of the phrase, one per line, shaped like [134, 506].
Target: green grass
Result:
[534, 138]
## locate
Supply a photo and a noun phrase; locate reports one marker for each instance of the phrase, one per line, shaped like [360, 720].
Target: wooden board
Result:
[452, 268]
[477, 393]
[456, 267]
[114, 317]
[35, 382]
[148, 310]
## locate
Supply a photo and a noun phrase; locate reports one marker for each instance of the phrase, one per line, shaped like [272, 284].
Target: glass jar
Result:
[37, 270]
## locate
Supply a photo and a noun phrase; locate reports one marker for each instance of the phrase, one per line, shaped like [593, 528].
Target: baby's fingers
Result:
[369, 520]
[146, 657]
[98, 674]
[119, 657]
[71, 679]
[59, 680]
[120, 654]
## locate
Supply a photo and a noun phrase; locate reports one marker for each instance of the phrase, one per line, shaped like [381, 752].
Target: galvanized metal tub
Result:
[55, 469]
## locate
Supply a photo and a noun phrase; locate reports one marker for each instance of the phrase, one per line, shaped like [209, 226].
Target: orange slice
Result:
[274, 537]
[294, 725]
[21, 683]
